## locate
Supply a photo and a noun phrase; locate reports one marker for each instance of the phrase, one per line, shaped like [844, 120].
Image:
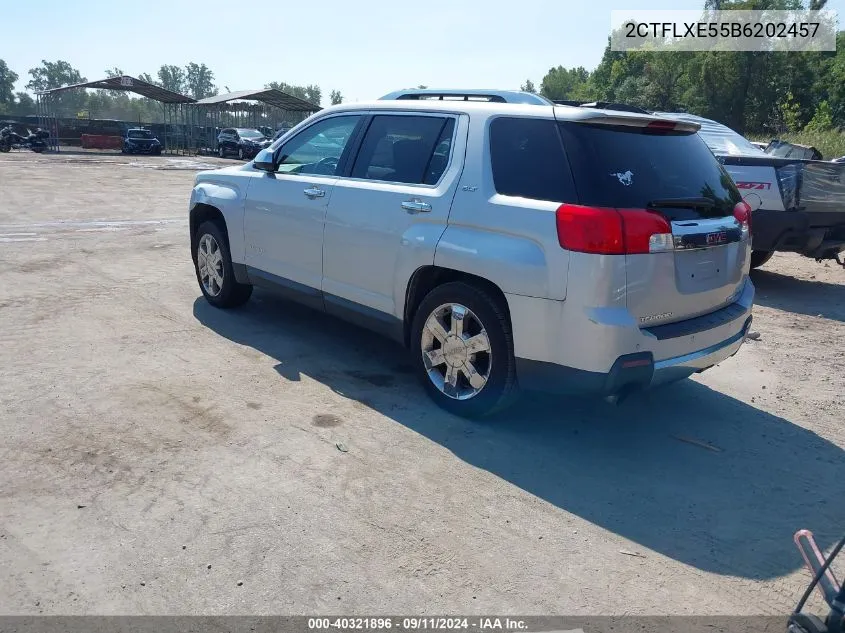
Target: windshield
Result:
[630, 167]
[250, 134]
[140, 134]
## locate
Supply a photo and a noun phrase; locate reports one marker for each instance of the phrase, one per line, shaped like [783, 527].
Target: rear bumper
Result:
[628, 357]
[629, 372]
[820, 234]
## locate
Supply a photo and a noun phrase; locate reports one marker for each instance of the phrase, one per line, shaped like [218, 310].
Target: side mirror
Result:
[264, 161]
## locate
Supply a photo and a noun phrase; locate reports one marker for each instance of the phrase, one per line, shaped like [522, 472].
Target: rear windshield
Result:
[631, 167]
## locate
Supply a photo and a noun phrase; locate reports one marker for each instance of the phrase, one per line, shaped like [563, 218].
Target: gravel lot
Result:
[158, 453]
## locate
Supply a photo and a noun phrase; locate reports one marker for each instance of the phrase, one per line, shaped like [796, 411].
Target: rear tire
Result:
[213, 266]
[758, 258]
[482, 317]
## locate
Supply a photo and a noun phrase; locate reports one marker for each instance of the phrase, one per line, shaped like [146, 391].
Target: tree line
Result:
[751, 92]
[194, 80]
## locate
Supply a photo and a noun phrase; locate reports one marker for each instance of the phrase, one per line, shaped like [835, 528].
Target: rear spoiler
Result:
[649, 122]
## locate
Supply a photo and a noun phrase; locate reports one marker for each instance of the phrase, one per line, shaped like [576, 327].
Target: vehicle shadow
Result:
[629, 469]
[787, 293]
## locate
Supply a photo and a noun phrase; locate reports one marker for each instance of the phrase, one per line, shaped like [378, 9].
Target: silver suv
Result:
[508, 245]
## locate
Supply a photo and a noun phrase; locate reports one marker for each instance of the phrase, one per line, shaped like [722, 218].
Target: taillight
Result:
[742, 213]
[609, 231]
[646, 231]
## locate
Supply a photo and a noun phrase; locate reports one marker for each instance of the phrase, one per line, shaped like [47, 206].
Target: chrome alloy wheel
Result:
[210, 265]
[456, 351]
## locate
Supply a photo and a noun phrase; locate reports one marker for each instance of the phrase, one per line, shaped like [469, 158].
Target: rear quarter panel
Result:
[507, 240]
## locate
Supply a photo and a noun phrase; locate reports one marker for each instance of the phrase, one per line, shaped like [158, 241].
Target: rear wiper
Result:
[695, 203]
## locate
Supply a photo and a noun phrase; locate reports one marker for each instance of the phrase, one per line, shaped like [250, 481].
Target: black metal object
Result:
[834, 596]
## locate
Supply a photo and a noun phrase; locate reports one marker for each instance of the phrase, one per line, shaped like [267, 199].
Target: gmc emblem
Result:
[717, 238]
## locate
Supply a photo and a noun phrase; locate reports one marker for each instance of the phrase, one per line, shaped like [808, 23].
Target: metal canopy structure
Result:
[129, 84]
[177, 134]
[271, 96]
[267, 110]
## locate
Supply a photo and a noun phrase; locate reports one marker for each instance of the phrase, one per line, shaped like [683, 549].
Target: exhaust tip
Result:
[623, 394]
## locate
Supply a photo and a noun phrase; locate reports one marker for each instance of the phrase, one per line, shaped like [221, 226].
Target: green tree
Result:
[822, 120]
[114, 72]
[173, 78]
[24, 106]
[148, 78]
[311, 93]
[53, 75]
[200, 81]
[335, 97]
[528, 86]
[8, 77]
[791, 113]
[566, 83]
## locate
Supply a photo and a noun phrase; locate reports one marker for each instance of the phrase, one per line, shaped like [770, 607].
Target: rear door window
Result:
[634, 167]
[528, 160]
[406, 149]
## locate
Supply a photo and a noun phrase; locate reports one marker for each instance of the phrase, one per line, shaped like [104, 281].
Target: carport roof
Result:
[129, 84]
[271, 97]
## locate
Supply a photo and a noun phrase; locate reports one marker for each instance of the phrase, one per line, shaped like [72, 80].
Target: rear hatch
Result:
[685, 227]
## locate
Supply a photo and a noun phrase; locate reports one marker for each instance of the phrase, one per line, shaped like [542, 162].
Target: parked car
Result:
[243, 142]
[509, 246]
[800, 200]
[141, 141]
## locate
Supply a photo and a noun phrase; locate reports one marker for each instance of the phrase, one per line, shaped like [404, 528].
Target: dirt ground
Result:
[163, 457]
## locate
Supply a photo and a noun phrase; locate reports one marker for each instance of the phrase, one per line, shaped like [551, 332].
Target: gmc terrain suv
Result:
[508, 245]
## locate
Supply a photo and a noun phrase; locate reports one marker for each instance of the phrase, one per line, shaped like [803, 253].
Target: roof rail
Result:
[603, 105]
[495, 96]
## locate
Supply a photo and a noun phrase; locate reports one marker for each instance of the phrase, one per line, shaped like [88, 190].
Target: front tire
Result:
[213, 266]
[758, 258]
[462, 350]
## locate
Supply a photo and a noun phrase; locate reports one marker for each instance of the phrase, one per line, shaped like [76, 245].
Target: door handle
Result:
[314, 192]
[416, 206]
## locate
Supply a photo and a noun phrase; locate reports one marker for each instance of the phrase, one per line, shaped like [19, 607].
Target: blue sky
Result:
[364, 49]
